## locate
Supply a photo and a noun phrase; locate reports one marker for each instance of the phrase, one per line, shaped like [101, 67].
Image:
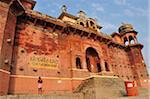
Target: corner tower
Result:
[128, 34]
[10, 11]
[133, 48]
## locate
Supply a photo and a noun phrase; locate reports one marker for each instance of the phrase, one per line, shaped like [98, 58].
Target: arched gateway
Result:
[93, 60]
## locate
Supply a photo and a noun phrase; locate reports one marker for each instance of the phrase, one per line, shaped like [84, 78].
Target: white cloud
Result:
[134, 12]
[55, 4]
[52, 11]
[120, 2]
[128, 13]
[109, 27]
[115, 14]
[83, 0]
[98, 7]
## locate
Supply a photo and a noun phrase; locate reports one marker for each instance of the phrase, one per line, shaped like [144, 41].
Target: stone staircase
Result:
[92, 88]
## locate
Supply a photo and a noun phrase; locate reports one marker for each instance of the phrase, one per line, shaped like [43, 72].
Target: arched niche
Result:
[78, 63]
[81, 22]
[91, 24]
[93, 60]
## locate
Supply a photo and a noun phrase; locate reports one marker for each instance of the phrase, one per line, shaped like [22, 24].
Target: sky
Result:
[110, 14]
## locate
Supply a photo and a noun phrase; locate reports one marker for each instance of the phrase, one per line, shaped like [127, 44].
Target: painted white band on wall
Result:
[63, 78]
[4, 71]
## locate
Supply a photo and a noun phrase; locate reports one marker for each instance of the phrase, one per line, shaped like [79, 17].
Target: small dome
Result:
[124, 28]
[82, 14]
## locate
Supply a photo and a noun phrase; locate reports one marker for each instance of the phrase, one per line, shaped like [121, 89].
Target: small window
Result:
[91, 23]
[78, 63]
[127, 77]
[134, 77]
[107, 67]
[147, 75]
[81, 23]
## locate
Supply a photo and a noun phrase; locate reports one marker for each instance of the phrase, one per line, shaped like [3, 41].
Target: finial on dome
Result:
[64, 8]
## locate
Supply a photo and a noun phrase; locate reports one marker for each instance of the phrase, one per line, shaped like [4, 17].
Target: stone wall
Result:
[92, 88]
[3, 18]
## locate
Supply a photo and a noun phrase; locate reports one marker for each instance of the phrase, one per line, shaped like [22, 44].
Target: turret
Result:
[129, 37]
[8, 19]
[128, 34]
[28, 4]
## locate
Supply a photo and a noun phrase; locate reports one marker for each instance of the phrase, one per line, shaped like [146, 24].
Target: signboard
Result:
[41, 61]
[129, 85]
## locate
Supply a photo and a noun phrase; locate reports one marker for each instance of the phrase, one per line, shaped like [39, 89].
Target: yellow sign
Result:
[39, 61]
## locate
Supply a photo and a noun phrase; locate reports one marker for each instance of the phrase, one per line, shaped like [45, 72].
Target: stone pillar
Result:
[128, 41]
[93, 64]
[135, 41]
[102, 65]
[110, 68]
[84, 65]
[8, 20]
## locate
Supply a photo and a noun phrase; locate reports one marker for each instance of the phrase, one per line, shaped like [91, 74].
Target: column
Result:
[128, 41]
[135, 41]
[102, 66]
[84, 65]
[93, 64]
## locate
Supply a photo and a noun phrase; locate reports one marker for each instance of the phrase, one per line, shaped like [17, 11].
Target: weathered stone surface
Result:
[99, 87]
[92, 88]
[33, 44]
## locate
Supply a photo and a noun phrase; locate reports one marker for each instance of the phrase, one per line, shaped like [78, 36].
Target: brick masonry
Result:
[33, 44]
[4, 82]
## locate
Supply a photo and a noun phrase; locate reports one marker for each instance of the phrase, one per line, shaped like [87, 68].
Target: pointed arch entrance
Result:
[93, 60]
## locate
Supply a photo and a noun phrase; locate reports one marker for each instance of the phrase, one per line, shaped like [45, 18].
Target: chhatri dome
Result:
[126, 28]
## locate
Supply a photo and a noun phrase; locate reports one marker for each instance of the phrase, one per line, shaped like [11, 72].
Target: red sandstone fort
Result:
[64, 51]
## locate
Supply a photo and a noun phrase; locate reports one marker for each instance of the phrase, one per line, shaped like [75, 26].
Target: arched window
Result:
[78, 63]
[126, 41]
[91, 23]
[81, 23]
[106, 67]
[131, 40]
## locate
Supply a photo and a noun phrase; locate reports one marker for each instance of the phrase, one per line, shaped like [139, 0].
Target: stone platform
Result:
[92, 88]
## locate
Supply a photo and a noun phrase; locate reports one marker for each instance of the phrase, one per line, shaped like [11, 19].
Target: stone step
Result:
[69, 96]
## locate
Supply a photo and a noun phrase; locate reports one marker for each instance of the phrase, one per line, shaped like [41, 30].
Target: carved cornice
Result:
[68, 28]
